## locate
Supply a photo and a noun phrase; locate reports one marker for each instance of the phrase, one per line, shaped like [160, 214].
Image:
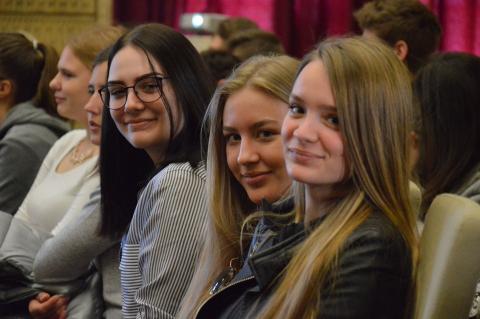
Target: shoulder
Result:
[470, 187]
[378, 240]
[73, 136]
[179, 173]
[29, 136]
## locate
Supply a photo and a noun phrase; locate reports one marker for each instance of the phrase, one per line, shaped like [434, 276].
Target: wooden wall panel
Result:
[53, 21]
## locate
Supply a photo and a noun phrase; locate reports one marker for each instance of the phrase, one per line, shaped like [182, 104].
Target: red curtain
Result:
[460, 20]
[301, 23]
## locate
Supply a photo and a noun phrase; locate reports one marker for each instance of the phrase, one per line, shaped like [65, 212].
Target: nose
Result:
[307, 130]
[55, 82]
[248, 153]
[133, 103]
[94, 104]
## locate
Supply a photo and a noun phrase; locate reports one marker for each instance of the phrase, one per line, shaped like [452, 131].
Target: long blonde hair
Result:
[372, 92]
[228, 202]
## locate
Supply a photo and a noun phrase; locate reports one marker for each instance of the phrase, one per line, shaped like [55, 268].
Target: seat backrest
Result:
[449, 265]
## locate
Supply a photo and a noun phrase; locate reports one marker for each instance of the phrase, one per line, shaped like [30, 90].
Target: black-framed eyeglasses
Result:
[147, 89]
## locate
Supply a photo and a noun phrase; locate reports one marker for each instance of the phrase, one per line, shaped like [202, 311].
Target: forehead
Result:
[131, 62]
[313, 85]
[68, 60]
[99, 73]
[250, 105]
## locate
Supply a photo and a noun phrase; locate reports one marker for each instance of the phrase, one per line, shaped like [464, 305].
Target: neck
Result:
[321, 199]
[157, 156]
[4, 108]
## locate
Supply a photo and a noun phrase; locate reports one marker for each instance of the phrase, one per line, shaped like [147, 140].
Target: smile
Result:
[139, 125]
[255, 178]
[299, 155]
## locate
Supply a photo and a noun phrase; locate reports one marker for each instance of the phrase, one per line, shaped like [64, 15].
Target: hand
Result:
[45, 306]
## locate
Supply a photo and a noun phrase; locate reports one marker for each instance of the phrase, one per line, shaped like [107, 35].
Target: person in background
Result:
[354, 251]
[221, 63]
[152, 176]
[227, 28]
[248, 43]
[447, 93]
[245, 164]
[408, 26]
[28, 124]
[69, 172]
[68, 255]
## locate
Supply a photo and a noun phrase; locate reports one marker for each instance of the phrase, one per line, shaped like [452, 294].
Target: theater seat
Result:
[449, 259]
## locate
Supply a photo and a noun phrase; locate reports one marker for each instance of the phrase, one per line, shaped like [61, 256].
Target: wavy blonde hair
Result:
[372, 92]
[229, 205]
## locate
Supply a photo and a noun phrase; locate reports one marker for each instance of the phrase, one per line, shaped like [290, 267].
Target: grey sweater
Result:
[68, 255]
[26, 135]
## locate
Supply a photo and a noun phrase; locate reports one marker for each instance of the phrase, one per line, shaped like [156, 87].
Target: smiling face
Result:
[314, 149]
[94, 105]
[70, 87]
[145, 125]
[252, 122]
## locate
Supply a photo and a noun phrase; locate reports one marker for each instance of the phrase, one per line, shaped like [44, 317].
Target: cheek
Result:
[231, 153]
[273, 156]
[117, 119]
[334, 143]
[287, 129]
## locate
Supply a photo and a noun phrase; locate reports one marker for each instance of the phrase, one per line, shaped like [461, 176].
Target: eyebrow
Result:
[257, 125]
[138, 78]
[296, 98]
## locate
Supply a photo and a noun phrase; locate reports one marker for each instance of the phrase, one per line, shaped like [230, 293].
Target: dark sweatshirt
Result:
[26, 136]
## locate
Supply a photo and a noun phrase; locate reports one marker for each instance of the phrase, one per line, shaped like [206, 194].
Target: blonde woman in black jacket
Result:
[353, 252]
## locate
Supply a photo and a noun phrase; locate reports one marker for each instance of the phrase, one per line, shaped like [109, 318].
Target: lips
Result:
[93, 124]
[300, 155]
[254, 178]
[59, 99]
[139, 124]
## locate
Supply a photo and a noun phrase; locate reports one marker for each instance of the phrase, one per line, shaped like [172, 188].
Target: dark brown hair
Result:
[407, 20]
[230, 26]
[30, 66]
[447, 90]
[252, 42]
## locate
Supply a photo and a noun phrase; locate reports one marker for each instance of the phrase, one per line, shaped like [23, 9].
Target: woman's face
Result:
[145, 125]
[70, 87]
[94, 105]
[314, 149]
[252, 121]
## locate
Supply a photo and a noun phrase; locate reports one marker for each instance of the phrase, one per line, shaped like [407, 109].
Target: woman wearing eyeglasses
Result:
[152, 178]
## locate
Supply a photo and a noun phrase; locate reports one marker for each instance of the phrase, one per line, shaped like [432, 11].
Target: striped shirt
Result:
[161, 248]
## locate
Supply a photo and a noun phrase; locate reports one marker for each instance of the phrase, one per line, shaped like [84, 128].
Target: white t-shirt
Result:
[56, 197]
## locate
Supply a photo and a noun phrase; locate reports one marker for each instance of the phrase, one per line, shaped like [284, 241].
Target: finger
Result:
[46, 309]
[42, 297]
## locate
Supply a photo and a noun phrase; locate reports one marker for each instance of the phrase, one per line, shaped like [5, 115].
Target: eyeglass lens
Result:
[147, 90]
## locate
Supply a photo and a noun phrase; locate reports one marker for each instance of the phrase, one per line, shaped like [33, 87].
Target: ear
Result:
[401, 49]
[6, 89]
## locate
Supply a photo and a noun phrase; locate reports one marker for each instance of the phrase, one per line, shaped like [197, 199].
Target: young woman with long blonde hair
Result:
[245, 162]
[353, 252]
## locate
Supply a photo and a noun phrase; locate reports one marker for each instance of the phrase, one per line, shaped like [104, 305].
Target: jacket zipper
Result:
[218, 292]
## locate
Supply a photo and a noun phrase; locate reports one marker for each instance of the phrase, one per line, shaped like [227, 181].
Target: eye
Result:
[148, 86]
[91, 90]
[265, 134]
[295, 109]
[231, 138]
[67, 74]
[116, 91]
[332, 120]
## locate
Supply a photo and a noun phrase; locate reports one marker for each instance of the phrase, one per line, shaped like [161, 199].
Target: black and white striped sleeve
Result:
[172, 232]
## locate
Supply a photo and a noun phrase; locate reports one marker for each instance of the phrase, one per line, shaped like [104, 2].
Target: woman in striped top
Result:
[154, 127]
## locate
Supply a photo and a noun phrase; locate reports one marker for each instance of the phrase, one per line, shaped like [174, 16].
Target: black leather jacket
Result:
[372, 279]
